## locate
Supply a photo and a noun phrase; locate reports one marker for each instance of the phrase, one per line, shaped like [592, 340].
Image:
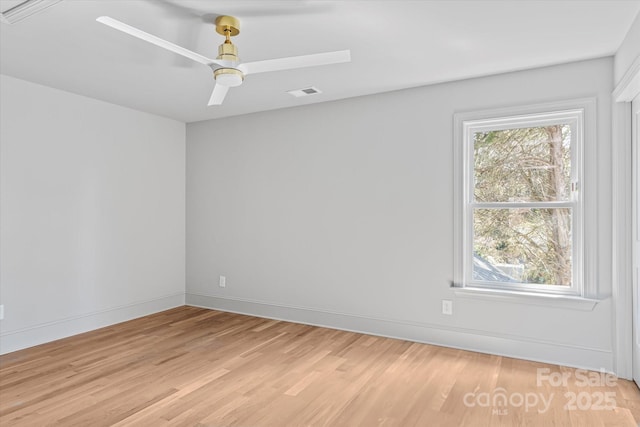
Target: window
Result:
[520, 199]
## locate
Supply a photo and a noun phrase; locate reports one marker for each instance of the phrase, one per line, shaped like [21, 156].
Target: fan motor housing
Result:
[228, 52]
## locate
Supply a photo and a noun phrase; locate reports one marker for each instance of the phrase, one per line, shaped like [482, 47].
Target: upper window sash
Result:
[573, 118]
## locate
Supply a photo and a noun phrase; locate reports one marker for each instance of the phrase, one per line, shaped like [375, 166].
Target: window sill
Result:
[529, 298]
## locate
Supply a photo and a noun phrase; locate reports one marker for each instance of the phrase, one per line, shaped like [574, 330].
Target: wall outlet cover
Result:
[447, 307]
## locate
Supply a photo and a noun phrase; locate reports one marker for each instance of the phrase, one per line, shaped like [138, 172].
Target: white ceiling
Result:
[394, 45]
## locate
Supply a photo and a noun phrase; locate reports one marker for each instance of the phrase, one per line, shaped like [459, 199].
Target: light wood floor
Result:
[196, 367]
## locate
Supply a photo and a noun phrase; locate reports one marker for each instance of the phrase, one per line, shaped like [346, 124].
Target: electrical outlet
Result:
[447, 307]
[1, 311]
[222, 282]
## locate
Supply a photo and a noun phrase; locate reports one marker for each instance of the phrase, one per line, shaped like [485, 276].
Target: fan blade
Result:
[121, 26]
[218, 94]
[295, 62]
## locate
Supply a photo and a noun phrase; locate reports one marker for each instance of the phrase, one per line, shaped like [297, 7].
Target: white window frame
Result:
[580, 114]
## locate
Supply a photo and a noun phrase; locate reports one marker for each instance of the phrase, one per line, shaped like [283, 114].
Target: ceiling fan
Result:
[228, 71]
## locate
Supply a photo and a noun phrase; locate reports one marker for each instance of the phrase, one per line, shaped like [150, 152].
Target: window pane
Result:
[522, 246]
[523, 165]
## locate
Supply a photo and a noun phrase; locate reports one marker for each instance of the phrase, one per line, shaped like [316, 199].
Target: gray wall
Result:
[340, 214]
[92, 213]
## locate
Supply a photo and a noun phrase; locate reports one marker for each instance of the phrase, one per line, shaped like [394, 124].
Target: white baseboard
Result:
[39, 334]
[464, 339]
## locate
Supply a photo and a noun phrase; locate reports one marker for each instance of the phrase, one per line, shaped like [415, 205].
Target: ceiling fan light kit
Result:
[228, 71]
[229, 77]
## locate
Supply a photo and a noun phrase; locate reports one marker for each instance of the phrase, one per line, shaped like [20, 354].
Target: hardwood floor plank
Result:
[196, 367]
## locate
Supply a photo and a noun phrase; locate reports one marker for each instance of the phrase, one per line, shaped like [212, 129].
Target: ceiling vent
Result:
[14, 11]
[307, 91]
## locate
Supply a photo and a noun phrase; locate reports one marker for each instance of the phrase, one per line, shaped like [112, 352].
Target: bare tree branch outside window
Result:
[532, 245]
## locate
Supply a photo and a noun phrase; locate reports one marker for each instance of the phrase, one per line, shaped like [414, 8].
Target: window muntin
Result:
[522, 208]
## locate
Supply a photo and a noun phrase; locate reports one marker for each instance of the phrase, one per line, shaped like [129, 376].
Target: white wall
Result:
[92, 213]
[340, 214]
[628, 52]
[627, 86]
